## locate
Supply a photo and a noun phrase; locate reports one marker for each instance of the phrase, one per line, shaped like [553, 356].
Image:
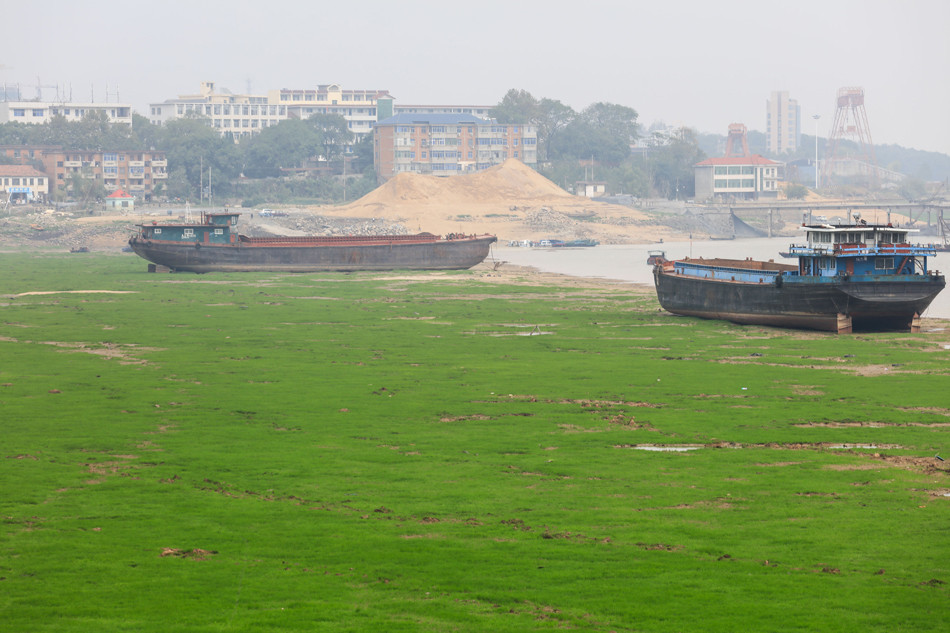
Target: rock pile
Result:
[310, 224]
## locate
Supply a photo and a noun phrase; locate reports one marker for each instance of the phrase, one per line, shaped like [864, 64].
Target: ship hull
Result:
[820, 303]
[457, 254]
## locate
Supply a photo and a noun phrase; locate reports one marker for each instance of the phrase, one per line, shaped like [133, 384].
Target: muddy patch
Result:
[194, 554]
[869, 424]
[124, 353]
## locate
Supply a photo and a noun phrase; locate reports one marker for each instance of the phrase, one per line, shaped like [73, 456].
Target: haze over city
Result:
[684, 62]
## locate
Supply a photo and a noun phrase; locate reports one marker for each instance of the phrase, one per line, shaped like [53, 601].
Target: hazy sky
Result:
[685, 62]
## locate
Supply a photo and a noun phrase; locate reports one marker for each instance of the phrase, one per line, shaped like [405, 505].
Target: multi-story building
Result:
[783, 124]
[23, 183]
[481, 111]
[239, 115]
[244, 115]
[42, 111]
[738, 177]
[448, 144]
[137, 172]
[358, 107]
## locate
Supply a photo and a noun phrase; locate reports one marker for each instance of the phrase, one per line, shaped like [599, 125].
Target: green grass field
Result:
[453, 452]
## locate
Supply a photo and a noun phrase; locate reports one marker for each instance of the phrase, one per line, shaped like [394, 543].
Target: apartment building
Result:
[239, 115]
[38, 112]
[448, 144]
[783, 124]
[137, 172]
[481, 111]
[358, 107]
[242, 115]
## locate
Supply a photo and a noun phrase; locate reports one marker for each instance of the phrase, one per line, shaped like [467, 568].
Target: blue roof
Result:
[413, 118]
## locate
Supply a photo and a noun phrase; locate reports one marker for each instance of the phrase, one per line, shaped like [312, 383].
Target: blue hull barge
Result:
[862, 276]
[214, 245]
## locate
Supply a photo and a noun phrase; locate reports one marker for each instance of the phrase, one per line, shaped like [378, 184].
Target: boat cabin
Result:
[213, 228]
[860, 249]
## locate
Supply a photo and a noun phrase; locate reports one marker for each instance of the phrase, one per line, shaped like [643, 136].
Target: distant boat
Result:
[655, 257]
[585, 243]
[848, 276]
[213, 244]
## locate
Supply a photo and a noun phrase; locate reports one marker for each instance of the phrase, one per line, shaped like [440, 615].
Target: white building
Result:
[38, 112]
[243, 115]
[783, 124]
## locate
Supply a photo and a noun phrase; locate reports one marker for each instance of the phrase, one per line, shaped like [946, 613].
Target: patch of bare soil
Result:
[870, 425]
[194, 554]
[124, 353]
[81, 292]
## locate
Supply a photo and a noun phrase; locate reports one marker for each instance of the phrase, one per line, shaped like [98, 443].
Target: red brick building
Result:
[137, 172]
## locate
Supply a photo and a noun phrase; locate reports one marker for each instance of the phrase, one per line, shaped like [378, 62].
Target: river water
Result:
[628, 262]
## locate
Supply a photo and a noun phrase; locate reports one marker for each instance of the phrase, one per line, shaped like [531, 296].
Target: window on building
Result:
[19, 112]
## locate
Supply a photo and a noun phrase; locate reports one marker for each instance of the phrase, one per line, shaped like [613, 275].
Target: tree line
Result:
[251, 170]
[595, 144]
[572, 146]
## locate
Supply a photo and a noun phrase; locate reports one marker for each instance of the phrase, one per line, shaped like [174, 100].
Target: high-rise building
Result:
[783, 124]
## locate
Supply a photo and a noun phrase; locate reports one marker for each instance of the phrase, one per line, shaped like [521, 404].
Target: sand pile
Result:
[511, 183]
[505, 200]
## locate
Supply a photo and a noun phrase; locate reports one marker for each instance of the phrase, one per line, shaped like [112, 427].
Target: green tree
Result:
[287, 144]
[517, 106]
[796, 191]
[604, 131]
[547, 115]
[671, 164]
[363, 156]
[192, 144]
[335, 132]
[554, 117]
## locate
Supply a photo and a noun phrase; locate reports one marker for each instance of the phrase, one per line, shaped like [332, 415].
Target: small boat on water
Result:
[214, 244]
[861, 276]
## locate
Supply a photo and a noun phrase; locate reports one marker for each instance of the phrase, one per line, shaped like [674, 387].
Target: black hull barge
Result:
[213, 245]
[848, 277]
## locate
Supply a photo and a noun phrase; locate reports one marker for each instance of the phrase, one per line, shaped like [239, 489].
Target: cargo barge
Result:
[213, 244]
[860, 276]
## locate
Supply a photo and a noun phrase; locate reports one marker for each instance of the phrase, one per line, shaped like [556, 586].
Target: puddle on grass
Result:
[661, 448]
[682, 448]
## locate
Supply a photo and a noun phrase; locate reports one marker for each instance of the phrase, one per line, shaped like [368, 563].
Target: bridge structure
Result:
[931, 217]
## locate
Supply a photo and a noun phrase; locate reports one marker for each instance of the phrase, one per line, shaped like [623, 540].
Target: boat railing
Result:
[855, 250]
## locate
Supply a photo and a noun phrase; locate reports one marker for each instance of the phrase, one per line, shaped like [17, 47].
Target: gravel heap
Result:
[311, 224]
[45, 230]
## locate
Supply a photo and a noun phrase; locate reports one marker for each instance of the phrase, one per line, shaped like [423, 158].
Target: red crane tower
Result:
[737, 143]
[850, 123]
